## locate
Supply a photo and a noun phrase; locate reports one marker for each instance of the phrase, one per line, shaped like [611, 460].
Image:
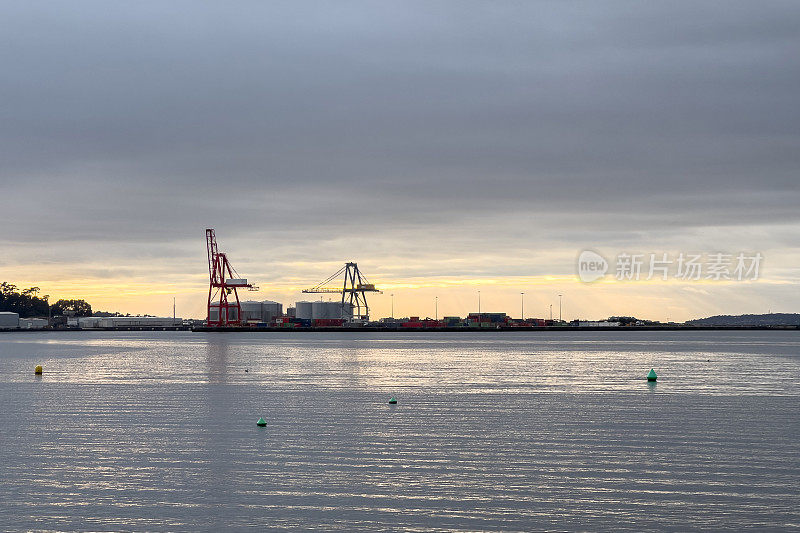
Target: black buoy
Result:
[246, 370]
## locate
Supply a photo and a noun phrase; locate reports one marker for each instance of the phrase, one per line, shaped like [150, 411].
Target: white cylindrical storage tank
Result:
[347, 311]
[329, 310]
[319, 310]
[214, 314]
[251, 311]
[335, 310]
[304, 310]
[270, 310]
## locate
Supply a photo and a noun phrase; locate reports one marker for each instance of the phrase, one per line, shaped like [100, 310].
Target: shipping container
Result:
[328, 322]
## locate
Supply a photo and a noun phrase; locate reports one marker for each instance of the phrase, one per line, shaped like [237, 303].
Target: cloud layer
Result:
[459, 140]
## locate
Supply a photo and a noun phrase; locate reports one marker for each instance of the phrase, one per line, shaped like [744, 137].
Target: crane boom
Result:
[353, 289]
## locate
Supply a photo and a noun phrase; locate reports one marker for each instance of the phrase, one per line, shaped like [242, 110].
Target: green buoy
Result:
[392, 400]
[651, 376]
[261, 422]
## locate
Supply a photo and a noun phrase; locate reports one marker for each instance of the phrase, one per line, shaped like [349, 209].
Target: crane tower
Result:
[223, 281]
[353, 289]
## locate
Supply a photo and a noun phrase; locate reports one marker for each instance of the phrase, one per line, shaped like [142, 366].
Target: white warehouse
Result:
[9, 320]
[138, 321]
[32, 323]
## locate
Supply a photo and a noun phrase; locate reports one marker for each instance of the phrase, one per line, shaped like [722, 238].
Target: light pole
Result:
[551, 312]
[522, 306]
[437, 308]
[479, 308]
[559, 308]
[392, 305]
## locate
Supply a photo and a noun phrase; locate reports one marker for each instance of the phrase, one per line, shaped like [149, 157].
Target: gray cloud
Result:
[128, 122]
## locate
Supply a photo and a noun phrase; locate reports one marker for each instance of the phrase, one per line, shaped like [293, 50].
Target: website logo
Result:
[591, 266]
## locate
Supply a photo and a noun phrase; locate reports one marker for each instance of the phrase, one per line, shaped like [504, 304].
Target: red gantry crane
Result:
[223, 281]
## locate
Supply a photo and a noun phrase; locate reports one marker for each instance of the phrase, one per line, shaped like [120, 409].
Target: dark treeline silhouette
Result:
[631, 321]
[28, 303]
[769, 319]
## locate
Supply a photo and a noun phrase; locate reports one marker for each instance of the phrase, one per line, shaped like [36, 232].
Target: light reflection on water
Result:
[493, 431]
[728, 362]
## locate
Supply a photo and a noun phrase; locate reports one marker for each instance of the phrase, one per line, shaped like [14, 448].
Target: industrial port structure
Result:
[222, 284]
[226, 310]
[354, 290]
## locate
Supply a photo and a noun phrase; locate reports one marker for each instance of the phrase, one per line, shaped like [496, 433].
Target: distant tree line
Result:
[631, 321]
[71, 308]
[769, 319]
[28, 303]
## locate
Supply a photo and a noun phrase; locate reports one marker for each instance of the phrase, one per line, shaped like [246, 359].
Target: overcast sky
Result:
[445, 146]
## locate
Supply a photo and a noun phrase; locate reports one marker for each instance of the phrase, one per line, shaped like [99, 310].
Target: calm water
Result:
[515, 431]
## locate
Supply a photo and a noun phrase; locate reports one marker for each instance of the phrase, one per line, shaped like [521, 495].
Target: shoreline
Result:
[497, 329]
[365, 329]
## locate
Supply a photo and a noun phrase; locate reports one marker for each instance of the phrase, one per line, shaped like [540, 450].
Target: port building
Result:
[32, 323]
[9, 320]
